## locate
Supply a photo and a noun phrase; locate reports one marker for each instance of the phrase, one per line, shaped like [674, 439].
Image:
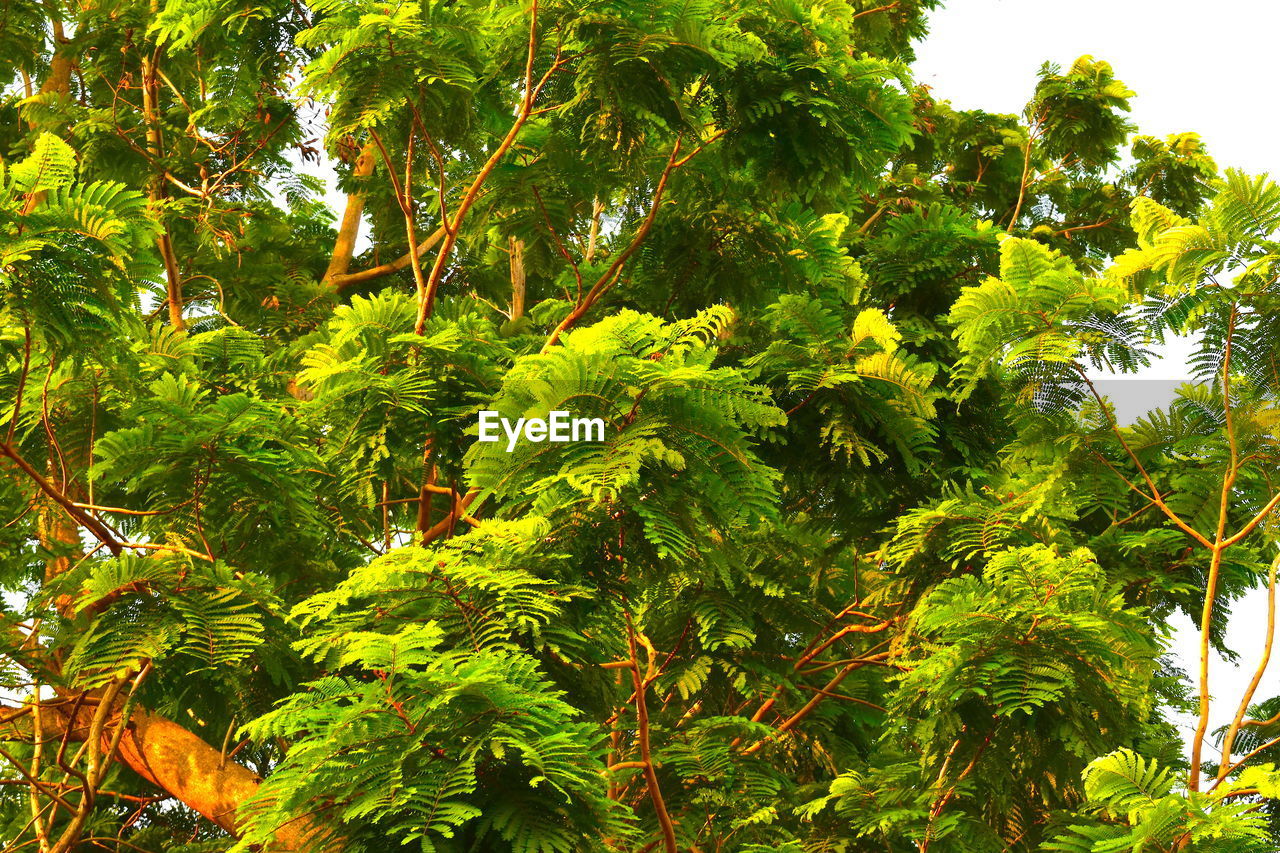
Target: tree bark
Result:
[157, 749]
[349, 230]
[60, 64]
[341, 282]
[516, 250]
[87, 521]
[176, 761]
[157, 193]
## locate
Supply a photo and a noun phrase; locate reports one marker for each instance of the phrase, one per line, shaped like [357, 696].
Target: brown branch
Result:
[99, 760]
[515, 264]
[84, 519]
[429, 487]
[411, 231]
[456, 514]
[560, 247]
[1099, 224]
[880, 211]
[844, 697]
[642, 736]
[1255, 521]
[1026, 174]
[439, 158]
[1155, 496]
[173, 759]
[786, 725]
[531, 92]
[838, 635]
[943, 798]
[391, 171]
[60, 64]
[610, 275]
[344, 281]
[1244, 759]
[240, 164]
[1215, 560]
[597, 208]
[1229, 739]
[122, 511]
[22, 382]
[155, 150]
[816, 647]
[885, 8]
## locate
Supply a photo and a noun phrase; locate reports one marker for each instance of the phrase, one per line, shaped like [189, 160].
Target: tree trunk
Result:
[59, 79]
[178, 761]
[155, 149]
[516, 250]
[345, 246]
[174, 760]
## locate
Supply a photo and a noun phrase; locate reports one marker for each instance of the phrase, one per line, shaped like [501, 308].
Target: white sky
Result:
[1196, 67]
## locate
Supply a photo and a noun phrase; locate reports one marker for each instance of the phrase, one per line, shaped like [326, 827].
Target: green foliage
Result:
[667, 412]
[1177, 169]
[72, 254]
[1036, 663]
[1138, 809]
[1080, 111]
[1041, 320]
[220, 468]
[857, 380]
[860, 562]
[434, 718]
[1013, 641]
[152, 609]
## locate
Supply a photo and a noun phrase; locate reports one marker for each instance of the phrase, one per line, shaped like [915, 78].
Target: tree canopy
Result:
[863, 562]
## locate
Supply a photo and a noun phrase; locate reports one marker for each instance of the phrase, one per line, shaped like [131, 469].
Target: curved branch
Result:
[345, 280]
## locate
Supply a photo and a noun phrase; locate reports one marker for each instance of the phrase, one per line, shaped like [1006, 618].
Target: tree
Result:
[861, 562]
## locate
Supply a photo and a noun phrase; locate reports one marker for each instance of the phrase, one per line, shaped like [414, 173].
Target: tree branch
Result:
[1215, 561]
[84, 519]
[347, 280]
[642, 736]
[174, 760]
[1228, 741]
[531, 91]
[610, 275]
